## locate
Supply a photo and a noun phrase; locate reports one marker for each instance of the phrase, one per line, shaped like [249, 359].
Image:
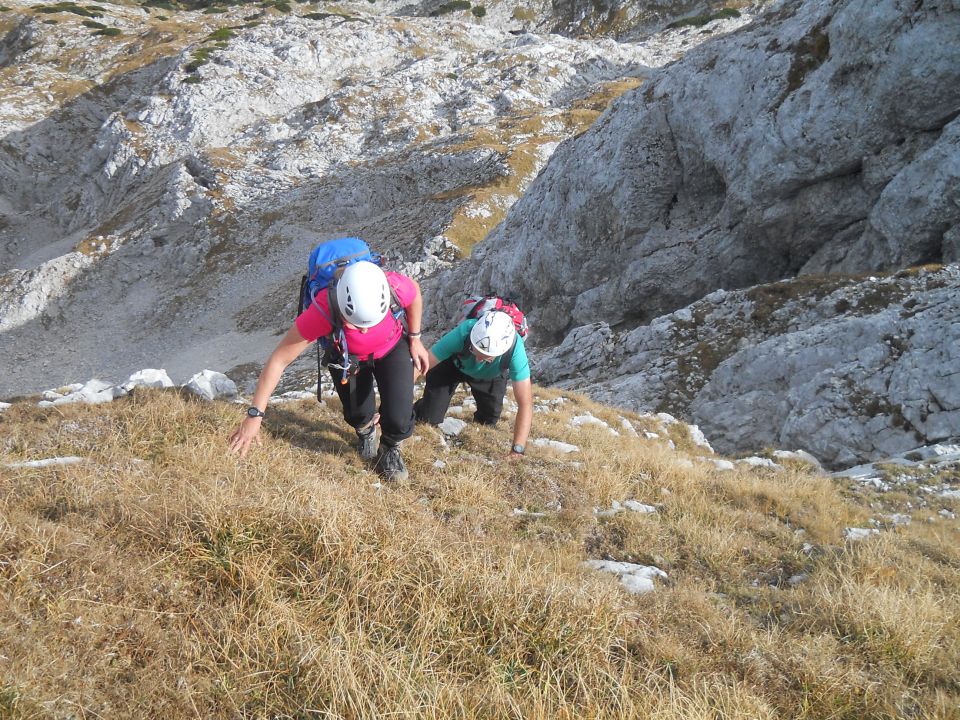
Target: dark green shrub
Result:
[109, 32]
[93, 24]
[449, 7]
[193, 79]
[220, 35]
[478, 11]
[69, 7]
[283, 7]
[200, 57]
[701, 20]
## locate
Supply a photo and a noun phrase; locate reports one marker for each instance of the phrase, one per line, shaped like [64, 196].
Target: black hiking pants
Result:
[394, 376]
[442, 382]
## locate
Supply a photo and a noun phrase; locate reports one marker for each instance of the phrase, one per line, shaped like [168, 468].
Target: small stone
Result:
[452, 426]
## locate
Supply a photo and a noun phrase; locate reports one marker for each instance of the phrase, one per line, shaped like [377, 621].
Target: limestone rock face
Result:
[848, 370]
[821, 138]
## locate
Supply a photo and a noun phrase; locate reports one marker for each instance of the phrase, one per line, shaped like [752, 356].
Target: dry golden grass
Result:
[162, 577]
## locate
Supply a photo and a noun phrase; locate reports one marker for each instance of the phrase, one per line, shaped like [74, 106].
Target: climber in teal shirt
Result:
[483, 353]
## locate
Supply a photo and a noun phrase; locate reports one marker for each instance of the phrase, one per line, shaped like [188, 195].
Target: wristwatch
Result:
[254, 411]
[518, 449]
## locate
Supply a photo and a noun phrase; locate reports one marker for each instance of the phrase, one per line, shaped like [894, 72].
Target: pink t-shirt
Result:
[378, 340]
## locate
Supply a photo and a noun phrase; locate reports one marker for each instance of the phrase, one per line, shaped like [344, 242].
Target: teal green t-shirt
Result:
[453, 343]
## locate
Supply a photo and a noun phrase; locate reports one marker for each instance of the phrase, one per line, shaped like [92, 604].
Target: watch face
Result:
[254, 412]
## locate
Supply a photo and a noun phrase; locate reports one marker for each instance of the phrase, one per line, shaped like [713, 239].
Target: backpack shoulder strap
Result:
[476, 306]
[506, 359]
[336, 317]
[303, 301]
[397, 310]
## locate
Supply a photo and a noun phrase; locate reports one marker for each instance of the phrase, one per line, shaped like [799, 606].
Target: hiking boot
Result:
[367, 443]
[390, 465]
[367, 439]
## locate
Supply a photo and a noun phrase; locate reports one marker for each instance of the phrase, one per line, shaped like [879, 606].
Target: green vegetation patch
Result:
[109, 32]
[200, 57]
[449, 7]
[478, 11]
[93, 24]
[70, 7]
[701, 20]
[325, 15]
[767, 299]
[809, 54]
[220, 35]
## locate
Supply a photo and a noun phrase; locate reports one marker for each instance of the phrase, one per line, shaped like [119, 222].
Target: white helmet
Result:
[493, 334]
[363, 294]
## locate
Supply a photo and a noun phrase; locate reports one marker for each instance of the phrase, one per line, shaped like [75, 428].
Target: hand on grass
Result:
[244, 436]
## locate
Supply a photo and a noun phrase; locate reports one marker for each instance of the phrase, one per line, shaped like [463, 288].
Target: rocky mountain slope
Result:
[163, 177]
[846, 368]
[822, 139]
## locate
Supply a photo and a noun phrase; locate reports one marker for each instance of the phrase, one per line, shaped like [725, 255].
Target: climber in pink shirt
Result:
[373, 346]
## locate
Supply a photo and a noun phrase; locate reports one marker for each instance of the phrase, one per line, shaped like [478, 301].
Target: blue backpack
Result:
[326, 259]
[322, 268]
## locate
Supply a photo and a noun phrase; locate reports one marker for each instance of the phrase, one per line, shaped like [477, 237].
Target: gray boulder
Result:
[212, 385]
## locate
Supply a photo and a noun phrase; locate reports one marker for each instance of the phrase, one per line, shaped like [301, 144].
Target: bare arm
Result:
[418, 352]
[523, 394]
[289, 349]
